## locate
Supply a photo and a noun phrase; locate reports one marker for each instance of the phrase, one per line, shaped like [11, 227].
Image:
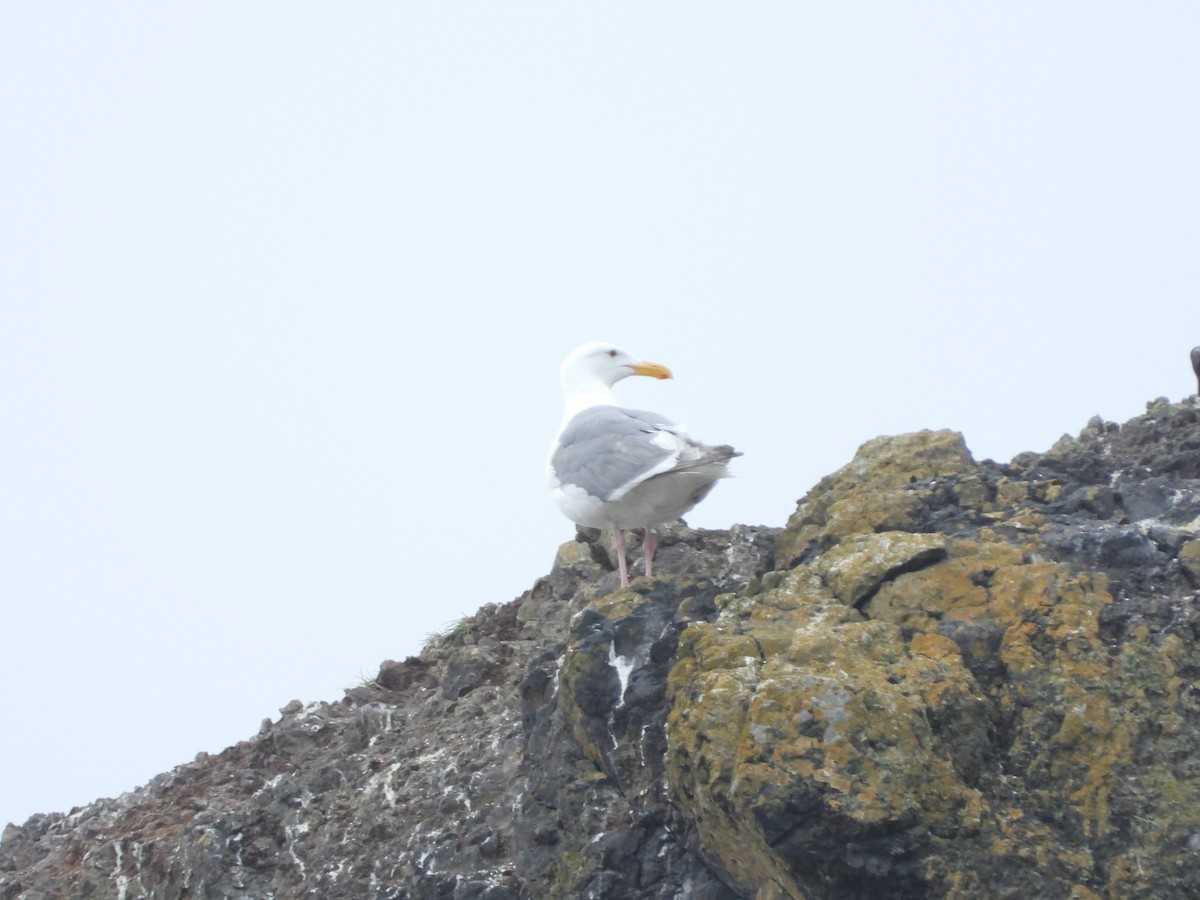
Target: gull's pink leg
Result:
[649, 545]
[619, 543]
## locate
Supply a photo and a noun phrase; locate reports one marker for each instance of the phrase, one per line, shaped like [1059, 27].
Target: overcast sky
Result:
[285, 288]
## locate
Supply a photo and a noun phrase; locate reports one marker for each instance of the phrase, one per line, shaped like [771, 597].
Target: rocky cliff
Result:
[942, 678]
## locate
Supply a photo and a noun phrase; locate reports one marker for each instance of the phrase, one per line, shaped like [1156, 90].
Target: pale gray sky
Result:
[286, 287]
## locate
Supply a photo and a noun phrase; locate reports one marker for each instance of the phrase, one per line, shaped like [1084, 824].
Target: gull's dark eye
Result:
[612, 353]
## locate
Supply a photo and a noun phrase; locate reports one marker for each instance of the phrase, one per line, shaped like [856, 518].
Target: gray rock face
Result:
[943, 678]
[451, 775]
[394, 791]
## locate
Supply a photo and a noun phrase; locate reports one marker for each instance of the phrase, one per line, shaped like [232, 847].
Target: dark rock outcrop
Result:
[942, 678]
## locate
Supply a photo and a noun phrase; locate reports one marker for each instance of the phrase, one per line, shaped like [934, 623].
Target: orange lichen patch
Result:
[856, 568]
[1010, 493]
[1017, 589]
[1025, 520]
[871, 511]
[979, 580]
[918, 599]
[839, 721]
[935, 646]
[1016, 651]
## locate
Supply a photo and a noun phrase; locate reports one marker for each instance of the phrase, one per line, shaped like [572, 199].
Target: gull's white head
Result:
[589, 373]
[598, 362]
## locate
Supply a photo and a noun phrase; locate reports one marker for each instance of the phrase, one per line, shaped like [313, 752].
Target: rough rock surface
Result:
[942, 678]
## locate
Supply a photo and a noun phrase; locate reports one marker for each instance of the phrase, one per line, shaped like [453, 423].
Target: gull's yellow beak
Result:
[654, 370]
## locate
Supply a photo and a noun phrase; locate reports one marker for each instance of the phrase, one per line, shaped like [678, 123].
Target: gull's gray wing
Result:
[605, 448]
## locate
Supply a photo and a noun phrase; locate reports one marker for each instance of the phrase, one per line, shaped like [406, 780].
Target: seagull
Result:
[1196, 366]
[617, 468]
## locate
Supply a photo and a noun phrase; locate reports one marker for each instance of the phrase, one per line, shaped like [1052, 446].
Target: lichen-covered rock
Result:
[857, 567]
[943, 678]
[1012, 712]
[812, 746]
[892, 484]
[1189, 559]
